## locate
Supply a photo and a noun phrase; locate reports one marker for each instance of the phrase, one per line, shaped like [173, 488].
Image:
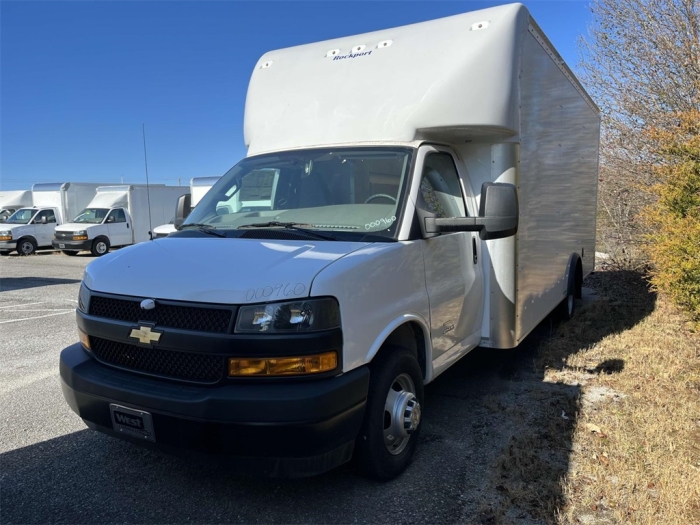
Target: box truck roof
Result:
[454, 77]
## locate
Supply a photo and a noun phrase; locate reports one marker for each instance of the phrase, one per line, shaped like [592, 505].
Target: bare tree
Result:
[641, 62]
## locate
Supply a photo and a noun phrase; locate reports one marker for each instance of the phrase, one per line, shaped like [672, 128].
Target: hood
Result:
[212, 270]
[75, 226]
[4, 226]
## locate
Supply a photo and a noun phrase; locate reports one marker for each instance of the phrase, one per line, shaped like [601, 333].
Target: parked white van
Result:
[31, 228]
[411, 193]
[117, 216]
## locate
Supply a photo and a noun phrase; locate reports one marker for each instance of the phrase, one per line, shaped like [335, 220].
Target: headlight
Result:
[6, 235]
[81, 232]
[310, 315]
[84, 299]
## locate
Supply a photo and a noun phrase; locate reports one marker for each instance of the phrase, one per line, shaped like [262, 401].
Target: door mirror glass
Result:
[183, 208]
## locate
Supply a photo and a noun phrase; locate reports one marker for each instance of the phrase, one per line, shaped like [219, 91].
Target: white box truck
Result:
[31, 228]
[117, 216]
[427, 189]
[11, 201]
[199, 186]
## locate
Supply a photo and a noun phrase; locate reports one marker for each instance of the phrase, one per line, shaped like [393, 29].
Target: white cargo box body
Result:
[487, 83]
[15, 199]
[199, 186]
[67, 197]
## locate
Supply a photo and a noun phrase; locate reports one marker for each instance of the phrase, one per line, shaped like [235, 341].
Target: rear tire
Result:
[391, 427]
[70, 253]
[100, 247]
[26, 247]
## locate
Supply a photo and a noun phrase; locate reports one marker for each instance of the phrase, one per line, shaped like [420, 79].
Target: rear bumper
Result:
[290, 429]
[72, 245]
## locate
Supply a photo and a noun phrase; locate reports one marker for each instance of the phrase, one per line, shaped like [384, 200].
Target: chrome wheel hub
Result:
[401, 414]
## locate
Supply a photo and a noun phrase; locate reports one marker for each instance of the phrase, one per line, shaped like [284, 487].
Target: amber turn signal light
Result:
[84, 339]
[282, 366]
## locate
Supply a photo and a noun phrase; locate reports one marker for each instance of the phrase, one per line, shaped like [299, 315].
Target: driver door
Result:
[453, 275]
[119, 228]
[44, 226]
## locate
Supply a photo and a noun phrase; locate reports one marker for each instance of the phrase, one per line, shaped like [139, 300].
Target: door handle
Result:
[474, 249]
[127, 225]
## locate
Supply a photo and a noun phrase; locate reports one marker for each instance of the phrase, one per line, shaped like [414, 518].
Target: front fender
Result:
[378, 287]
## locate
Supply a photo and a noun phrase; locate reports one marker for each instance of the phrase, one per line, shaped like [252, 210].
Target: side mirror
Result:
[183, 208]
[498, 215]
[43, 220]
[110, 219]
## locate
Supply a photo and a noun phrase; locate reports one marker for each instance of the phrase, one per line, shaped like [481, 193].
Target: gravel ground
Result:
[55, 470]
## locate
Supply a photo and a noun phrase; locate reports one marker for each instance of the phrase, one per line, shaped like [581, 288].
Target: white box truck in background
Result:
[199, 186]
[426, 189]
[11, 201]
[117, 216]
[31, 228]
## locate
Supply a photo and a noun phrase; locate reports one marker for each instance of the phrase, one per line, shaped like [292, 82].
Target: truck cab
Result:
[27, 230]
[95, 230]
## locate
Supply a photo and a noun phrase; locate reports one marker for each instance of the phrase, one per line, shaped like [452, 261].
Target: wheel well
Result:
[27, 237]
[409, 335]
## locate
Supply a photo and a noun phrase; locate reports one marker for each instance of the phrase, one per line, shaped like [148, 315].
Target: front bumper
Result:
[72, 245]
[8, 246]
[278, 429]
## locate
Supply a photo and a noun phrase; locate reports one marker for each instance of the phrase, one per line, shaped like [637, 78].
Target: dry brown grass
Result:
[635, 442]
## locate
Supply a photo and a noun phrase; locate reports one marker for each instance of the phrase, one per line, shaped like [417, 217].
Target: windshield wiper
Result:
[204, 228]
[296, 226]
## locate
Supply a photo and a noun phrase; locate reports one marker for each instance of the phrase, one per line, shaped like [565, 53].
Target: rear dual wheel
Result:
[391, 426]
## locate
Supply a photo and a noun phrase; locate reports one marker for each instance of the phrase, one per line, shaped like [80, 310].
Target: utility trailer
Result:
[428, 189]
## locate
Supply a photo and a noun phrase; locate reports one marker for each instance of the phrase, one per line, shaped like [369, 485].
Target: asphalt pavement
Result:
[55, 470]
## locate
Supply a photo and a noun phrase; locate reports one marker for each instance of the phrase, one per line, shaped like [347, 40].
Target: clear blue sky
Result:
[77, 79]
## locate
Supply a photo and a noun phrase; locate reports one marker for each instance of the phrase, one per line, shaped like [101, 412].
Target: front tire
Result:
[100, 247]
[391, 427]
[26, 247]
[70, 253]
[4, 254]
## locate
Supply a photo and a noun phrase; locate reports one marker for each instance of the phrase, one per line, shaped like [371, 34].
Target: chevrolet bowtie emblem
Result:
[145, 335]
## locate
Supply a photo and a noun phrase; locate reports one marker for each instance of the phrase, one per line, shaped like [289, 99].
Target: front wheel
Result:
[69, 252]
[4, 254]
[100, 247]
[392, 415]
[26, 247]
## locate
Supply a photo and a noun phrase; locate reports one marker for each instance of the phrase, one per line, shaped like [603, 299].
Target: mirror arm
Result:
[458, 224]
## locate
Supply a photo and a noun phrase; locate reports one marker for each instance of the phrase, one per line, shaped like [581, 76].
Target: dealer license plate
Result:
[134, 422]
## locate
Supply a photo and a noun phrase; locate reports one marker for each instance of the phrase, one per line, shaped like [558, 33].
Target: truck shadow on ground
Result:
[9, 284]
[494, 448]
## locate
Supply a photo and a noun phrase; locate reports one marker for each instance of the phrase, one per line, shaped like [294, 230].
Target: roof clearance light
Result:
[479, 25]
[266, 64]
[357, 49]
[333, 52]
[384, 43]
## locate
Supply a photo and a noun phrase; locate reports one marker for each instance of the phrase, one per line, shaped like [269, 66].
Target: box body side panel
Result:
[557, 183]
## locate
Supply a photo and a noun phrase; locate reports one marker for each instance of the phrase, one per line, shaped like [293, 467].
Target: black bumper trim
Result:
[72, 245]
[298, 428]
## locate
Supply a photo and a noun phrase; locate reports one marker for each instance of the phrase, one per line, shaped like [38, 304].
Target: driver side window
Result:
[440, 187]
[50, 217]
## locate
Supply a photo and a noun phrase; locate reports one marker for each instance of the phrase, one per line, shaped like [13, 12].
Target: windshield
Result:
[91, 215]
[345, 189]
[21, 216]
